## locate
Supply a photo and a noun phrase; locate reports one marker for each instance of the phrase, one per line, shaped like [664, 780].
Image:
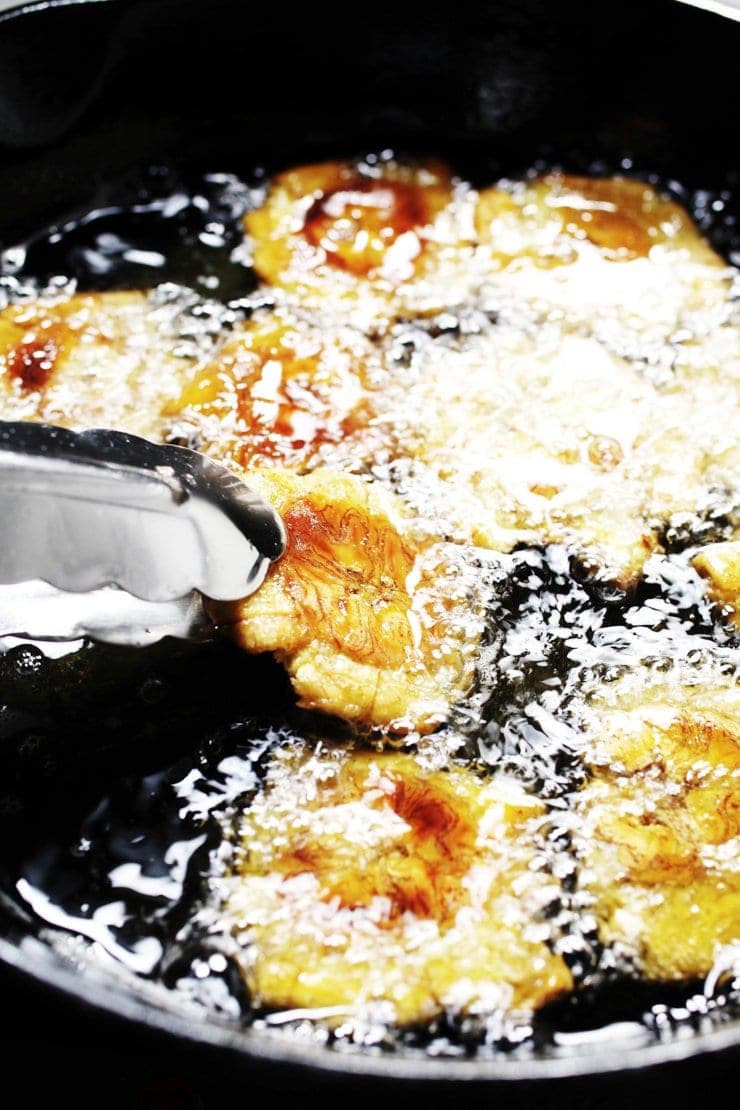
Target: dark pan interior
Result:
[226, 86]
[491, 86]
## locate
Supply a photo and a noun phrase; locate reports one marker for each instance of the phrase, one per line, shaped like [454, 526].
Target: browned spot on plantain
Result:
[422, 872]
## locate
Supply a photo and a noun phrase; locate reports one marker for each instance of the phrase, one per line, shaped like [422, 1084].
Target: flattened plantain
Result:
[659, 825]
[503, 439]
[375, 237]
[368, 883]
[370, 627]
[91, 360]
[601, 249]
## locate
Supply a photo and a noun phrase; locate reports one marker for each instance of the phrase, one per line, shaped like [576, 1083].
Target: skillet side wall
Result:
[229, 85]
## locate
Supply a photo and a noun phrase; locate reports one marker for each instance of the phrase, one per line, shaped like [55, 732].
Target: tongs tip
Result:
[103, 510]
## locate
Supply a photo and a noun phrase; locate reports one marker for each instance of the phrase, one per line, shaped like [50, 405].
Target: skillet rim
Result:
[256, 1046]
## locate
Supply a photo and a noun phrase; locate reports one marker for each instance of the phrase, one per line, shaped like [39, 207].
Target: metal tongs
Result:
[110, 537]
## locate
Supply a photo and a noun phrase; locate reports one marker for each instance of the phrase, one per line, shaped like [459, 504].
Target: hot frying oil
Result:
[216, 802]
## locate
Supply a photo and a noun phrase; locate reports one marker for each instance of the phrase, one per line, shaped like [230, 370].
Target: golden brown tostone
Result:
[369, 626]
[90, 360]
[548, 217]
[661, 821]
[366, 881]
[355, 231]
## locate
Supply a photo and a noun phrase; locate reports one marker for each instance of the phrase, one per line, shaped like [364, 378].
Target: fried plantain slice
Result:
[377, 235]
[602, 250]
[501, 438]
[549, 217]
[370, 626]
[660, 825]
[369, 883]
[91, 360]
[279, 391]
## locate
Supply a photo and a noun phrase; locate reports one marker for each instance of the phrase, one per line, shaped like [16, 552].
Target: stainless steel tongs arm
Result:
[111, 536]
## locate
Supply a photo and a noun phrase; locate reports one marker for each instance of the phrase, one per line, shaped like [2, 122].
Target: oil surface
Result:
[130, 858]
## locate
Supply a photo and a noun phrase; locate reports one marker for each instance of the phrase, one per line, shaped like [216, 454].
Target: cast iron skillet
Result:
[93, 90]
